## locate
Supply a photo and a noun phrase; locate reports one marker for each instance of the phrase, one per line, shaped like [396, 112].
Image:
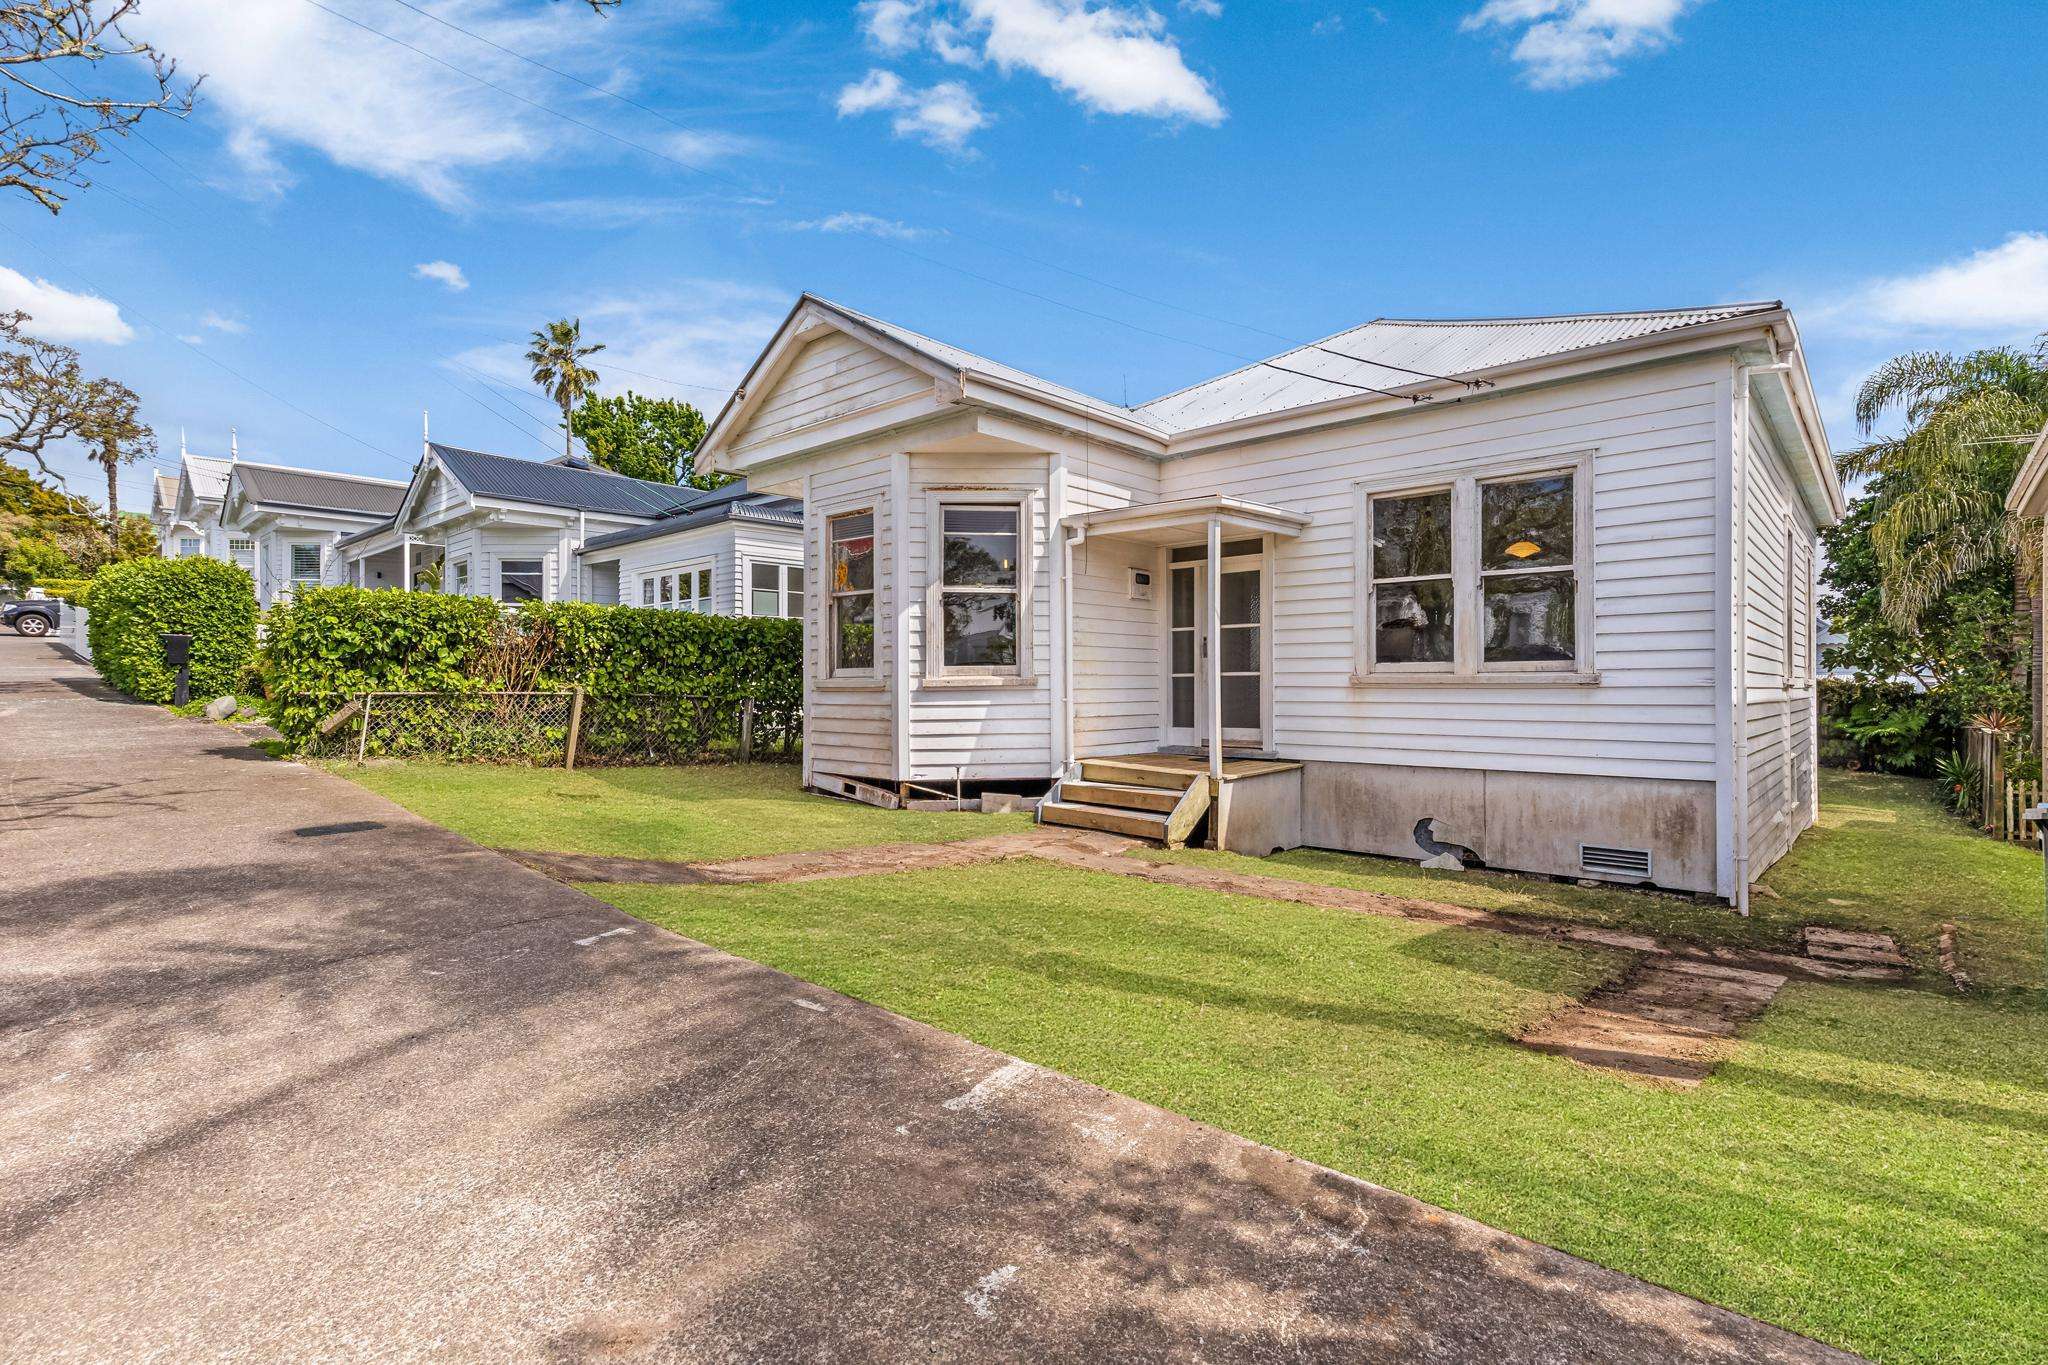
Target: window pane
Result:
[981, 547]
[854, 635]
[1526, 524]
[668, 589]
[981, 629]
[1412, 623]
[1240, 598]
[1183, 651]
[1411, 536]
[853, 556]
[1529, 618]
[703, 590]
[766, 602]
[305, 562]
[519, 580]
[188, 546]
[1183, 597]
[764, 575]
[854, 526]
[1184, 703]
[796, 588]
[1241, 703]
[1240, 649]
[646, 592]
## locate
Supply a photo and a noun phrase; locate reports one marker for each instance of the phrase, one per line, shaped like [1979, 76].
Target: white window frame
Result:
[936, 670]
[291, 563]
[829, 598]
[792, 602]
[458, 575]
[1467, 667]
[541, 572]
[670, 581]
[1792, 594]
[189, 546]
[244, 558]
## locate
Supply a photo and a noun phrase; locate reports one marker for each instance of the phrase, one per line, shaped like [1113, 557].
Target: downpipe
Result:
[1069, 765]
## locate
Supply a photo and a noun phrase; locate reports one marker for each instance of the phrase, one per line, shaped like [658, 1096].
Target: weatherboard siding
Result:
[849, 724]
[830, 377]
[1118, 673]
[1777, 572]
[1652, 436]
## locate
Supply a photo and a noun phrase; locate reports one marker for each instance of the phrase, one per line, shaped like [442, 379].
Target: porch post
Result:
[405, 574]
[1214, 682]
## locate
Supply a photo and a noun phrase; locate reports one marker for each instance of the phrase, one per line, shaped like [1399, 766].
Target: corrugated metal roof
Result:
[953, 357]
[208, 477]
[1402, 346]
[556, 485]
[276, 485]
[731, 503]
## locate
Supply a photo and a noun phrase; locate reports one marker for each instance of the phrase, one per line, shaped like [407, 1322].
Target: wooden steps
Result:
[1132, 799]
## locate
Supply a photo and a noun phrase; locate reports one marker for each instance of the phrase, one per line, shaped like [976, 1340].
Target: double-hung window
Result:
[850, 566]
[519, 580]
[461, 572]
[775, 589]
[1487, 574]
[977, 592]
[305, 565]
[188, 546]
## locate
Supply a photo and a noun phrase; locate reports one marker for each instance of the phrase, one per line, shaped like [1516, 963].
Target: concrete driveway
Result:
[286, 1072]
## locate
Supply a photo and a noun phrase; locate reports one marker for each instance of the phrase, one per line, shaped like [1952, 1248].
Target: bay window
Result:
[1483, 576]
[850, 615]
[975, 617]
[775, 589]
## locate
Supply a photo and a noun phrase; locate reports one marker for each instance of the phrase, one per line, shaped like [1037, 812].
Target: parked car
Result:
[38, 617]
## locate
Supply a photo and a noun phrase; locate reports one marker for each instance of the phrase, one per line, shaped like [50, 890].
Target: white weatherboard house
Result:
[292, 519]
[1538, 588]
[186, 511]
[567, 531]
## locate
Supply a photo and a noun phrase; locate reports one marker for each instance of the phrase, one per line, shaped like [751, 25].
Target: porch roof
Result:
[1170, 521]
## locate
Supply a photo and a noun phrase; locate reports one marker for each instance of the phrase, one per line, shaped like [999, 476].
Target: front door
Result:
[1241, 648]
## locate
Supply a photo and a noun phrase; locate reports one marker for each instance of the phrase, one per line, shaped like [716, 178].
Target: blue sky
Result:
[364, 232]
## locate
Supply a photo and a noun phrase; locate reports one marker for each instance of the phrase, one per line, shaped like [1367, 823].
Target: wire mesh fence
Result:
[555, 728]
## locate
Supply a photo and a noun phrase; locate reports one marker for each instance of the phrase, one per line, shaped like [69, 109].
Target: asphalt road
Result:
[286, 1072]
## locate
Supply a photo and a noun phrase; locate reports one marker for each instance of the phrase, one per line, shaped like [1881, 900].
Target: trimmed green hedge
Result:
[135, 602]
[325, 645]
[76, 591]
[330, 644]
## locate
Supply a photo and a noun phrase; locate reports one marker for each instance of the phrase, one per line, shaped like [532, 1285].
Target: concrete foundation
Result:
[1261, 814]
[1523, 822]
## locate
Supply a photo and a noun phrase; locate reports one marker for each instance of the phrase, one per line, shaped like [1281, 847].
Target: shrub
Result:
[328, 644]
[76, 591]
[622, 651]
[1889, 726]
[135, 602]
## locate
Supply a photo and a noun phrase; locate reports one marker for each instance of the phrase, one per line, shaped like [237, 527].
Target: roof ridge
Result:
[551, 464]
[1532, 319]
[316, 473]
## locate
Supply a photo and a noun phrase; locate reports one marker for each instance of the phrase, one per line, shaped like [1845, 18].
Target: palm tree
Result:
[1940, 486]
[558, 369]
[111, 427]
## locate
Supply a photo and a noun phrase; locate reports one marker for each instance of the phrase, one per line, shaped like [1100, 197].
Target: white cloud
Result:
[1208, 9]
[222, 322]
[287, 76]
[865, 224]
[442, 272]
[1564, 43]
[1111, 58]
[945, 115]
[192, 338]
[1329, 26]
[1067, 197]
[2001, 288]
[695, 337]
[57, 314]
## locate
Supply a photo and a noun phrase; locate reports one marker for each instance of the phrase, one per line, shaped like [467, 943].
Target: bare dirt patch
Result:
[1667, 1019]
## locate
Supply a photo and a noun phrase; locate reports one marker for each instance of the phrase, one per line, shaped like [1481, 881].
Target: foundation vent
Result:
[1614, 862]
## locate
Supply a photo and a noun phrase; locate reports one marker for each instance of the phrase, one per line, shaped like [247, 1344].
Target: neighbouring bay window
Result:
[519, 580]
[684, 589]
[1485, 576]
[305, 565]
[775, 589]
[242, 553]
[188, 546]
[977, 591]
[850, 562]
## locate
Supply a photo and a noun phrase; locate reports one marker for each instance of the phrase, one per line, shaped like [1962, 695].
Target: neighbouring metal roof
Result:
[731, 503]
[955, 358]
[1391, 351]
[313, 490]
[208, 477]
[559, 485]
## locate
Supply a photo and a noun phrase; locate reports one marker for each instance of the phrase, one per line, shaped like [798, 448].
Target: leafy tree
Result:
[557, 355]
[645, 438]
[115, 435]
[51, 127]
[1939, 487]
[45, 397]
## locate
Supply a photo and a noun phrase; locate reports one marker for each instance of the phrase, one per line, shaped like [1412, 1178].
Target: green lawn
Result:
[1884, 856]
[1871, 1168]
[690, 814]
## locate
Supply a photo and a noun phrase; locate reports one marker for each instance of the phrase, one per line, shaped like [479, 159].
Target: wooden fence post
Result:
[575, 724]
[747, 730]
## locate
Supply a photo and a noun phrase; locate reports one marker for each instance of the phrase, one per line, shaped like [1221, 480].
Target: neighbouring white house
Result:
[730, 552]
[1540, 589]
[565, 530]
[186, 512]
[292, 519]
[2029, 498]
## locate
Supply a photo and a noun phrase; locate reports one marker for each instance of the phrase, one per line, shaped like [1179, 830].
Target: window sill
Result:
[976, 680]
[852, 684]
[1531, 679]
